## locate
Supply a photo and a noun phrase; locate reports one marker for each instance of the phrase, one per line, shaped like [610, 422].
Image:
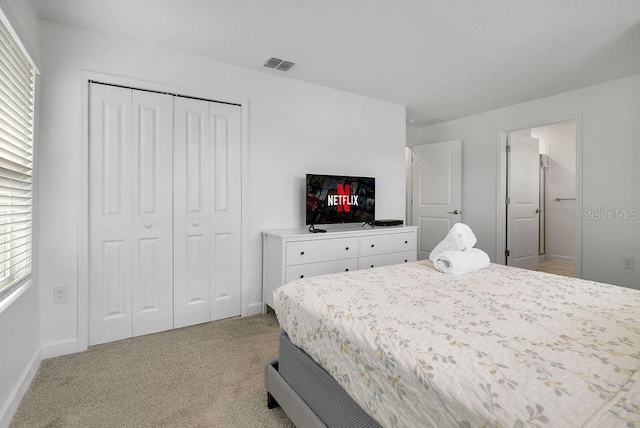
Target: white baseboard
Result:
[59, 347]
[13, 401]
[564, 259]
[254, 308]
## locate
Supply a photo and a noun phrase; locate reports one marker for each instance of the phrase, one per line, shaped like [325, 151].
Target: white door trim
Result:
[501, 216]
[408, 156]
[83, 188]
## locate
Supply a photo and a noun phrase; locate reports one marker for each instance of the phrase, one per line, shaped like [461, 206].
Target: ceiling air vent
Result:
[279, 64]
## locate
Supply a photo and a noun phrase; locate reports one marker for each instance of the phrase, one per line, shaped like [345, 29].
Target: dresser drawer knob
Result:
[301, 276]
[372, 245]
[406, 242]
[405, 260]
[302, 253]
[347, 248]
[346, 270]
[371, 265]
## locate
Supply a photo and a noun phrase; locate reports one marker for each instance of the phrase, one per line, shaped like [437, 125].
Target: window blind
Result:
[17, 90]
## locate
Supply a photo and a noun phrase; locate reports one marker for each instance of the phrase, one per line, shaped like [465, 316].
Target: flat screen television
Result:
[340, 199]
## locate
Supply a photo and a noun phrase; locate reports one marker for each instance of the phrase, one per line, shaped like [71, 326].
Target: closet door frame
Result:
[83, 193]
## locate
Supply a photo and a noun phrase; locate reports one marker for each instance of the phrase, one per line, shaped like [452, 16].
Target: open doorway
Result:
[540, 207]
[557, 236]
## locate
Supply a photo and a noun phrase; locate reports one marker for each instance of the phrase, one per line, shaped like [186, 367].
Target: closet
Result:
[164, 212]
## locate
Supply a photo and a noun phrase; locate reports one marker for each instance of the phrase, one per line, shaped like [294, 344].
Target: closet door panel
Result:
[225, 164]
[164, 212]
[191, 207]
[152, 258]
[110, 269]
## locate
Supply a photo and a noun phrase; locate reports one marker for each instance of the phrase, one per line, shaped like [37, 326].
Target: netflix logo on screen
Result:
[339, 199]
[344, 199]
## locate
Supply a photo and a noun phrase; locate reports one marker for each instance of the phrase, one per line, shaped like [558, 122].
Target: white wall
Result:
[560, 182]
[20, 349]
[610, 152]
[294, 128]
[19, 314]
[414, 135]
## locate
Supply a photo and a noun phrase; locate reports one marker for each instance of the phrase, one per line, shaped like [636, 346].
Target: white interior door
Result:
[207, 211]
[225, 164]
[110, 194]
[523, 193]
[191, 204]
[130, 213]
[164, 212]
[151, 166]
[436, 192]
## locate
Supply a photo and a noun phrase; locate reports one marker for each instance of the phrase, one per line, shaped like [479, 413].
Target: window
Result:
[17, 88]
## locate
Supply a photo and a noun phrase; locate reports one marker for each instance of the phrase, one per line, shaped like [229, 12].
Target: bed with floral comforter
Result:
[498, 347]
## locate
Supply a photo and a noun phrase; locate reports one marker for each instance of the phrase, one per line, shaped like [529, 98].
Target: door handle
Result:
[454, 212]
[538, 210]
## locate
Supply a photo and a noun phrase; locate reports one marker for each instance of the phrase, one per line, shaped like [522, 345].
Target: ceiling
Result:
[441, 58]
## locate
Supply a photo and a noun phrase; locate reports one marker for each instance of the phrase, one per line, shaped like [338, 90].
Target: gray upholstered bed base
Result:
[279, 393]
[308, 394]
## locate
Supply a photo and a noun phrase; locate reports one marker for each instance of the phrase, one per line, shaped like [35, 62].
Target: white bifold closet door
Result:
[206, 207]
[130, 213]
[164, 212]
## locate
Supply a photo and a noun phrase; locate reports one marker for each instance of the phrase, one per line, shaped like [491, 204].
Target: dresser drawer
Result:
[391, 243]
[387, 259]
[322, 268]
[321, 250]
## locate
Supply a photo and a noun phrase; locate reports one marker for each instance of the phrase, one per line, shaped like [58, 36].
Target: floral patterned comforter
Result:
[498, 347]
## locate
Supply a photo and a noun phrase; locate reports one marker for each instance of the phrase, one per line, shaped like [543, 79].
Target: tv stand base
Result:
[314, 230]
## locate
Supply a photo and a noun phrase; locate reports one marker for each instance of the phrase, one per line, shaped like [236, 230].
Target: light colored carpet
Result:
[209, 375]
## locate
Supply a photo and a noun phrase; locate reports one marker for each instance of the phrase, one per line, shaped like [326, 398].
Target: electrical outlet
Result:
[60, 295]
[628, 262]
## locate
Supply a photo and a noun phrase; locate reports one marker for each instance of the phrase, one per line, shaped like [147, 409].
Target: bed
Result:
[501, 347]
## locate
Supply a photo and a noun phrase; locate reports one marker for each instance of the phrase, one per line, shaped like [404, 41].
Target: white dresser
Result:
[296, 253]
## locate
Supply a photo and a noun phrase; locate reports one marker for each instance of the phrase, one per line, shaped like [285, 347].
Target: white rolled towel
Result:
[459, 238]
[459, 262]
